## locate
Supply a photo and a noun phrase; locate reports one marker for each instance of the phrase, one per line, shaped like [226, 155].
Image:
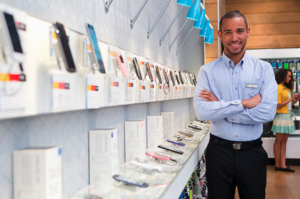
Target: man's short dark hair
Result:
[233, 14]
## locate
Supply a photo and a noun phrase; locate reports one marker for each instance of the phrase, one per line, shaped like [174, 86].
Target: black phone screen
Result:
[137, 68]
[177, 79]
[172, 78]
[61, 33]
[166, 76]
[181, 78]
[149, 71]
[13, 33]
[158, 74]
[96, 48]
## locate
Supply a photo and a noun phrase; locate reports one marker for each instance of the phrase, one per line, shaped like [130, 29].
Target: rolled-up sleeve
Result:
[266, 110]
[212, 111]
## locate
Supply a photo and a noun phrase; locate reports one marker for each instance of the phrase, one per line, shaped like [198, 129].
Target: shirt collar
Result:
[227, 61]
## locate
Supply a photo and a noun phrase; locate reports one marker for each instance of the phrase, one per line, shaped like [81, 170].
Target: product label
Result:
[114, 89]
[152, 91]
[60, 92]
[92, 92]
[130, 86]
[142, 91]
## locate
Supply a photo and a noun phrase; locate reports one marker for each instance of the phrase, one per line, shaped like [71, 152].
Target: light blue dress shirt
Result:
[231, 84]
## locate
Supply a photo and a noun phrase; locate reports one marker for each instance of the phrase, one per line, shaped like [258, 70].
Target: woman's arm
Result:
[279, 105]
[296, 100]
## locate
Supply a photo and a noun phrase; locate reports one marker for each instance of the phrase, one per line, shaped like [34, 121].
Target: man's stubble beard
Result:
[237, 53]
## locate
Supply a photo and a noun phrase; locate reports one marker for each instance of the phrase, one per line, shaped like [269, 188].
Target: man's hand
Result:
[208, 96]
[252, 102]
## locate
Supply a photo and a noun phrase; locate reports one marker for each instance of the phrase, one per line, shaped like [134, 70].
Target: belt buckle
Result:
[237, 146]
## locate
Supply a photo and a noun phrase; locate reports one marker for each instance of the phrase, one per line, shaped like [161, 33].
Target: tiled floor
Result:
[282, 185]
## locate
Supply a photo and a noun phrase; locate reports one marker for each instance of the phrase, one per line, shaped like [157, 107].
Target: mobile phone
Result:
[137, 68]
[66, 54]
[10, 38]
[177, 79]
[172, 78]
[181, 78]
[177, 143]
[158, 156]
[170, 149]
[190, 77]
[129, 181]
[121, 63]
[166, 76]
[186, 134]
[194, 127]
[195, 79]
[145, 165]
[148, 69]
[158, 74]
[95, 47]
[181, 137]
[91, 196]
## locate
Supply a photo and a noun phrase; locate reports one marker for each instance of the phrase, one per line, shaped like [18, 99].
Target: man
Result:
[237, 93]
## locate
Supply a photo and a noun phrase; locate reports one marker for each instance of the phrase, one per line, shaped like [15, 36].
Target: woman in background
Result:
[283, 123]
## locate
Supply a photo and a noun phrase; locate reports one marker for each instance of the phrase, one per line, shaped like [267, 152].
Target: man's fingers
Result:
[204, 98]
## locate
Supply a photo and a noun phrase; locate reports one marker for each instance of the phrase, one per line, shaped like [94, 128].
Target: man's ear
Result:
[248, 32]
[219, 34]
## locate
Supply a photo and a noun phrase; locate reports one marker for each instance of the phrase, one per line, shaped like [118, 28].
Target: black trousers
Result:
[227, 168]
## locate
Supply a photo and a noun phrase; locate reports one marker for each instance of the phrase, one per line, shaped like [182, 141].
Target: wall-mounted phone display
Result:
[176, 77]
[11, 39]
[148, 70]
[95, 47]
[172, 77]
[137, 68]
[121, 63]
[158, 74]
[181, 77]
[65, 59]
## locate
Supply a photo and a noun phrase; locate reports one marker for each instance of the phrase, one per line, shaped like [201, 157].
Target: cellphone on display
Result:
[137, 68]
[166, 76]
[177, 143]
[186, 134]
[195, 127]
[66, 54]
[148, 69]
[90, 196]
[172, 77]
[181, 137]
[181, 78]
[195, 79]
[129, 181]
[145, 165]
[159, 156]
[170, 149]
[121, 63]
[10, 38]
[158, 74]
[177, 79]
[95, 47]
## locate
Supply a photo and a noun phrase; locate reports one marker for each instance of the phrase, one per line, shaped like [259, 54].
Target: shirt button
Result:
[236, 136]
[235, 72]
[235, 88]
[232, 119]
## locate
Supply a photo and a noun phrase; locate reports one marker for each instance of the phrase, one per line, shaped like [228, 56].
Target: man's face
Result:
[234, 35]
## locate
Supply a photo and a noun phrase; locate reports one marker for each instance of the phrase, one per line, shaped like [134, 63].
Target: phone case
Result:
[121, 63]
[170, 149]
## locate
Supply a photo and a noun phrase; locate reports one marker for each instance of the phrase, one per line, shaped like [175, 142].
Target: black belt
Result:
[236, 145]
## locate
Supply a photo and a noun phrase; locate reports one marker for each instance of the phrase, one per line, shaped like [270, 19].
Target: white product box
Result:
[103, 154]
[135, 139]
[155, 134]
[168, 124]
[38, 173]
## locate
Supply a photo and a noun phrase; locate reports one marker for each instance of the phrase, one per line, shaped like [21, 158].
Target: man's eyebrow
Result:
[241, 29]
[228, 30]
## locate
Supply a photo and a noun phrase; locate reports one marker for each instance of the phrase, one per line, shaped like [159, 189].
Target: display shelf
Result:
[42, 71]
[165, 185]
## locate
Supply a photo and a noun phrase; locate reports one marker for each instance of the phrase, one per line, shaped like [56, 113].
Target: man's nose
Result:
[234, 37]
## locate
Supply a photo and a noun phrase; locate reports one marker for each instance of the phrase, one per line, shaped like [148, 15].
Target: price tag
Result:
[142, 90]
[179, 92]
[61, 92]
[152, 91]
[166, 96]
[114, 89]
[171, 93]
[92, 92]
[130, 86]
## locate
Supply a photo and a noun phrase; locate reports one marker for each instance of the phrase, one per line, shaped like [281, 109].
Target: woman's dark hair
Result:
[281, 75]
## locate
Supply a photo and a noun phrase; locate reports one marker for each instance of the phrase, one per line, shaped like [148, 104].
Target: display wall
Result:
[70, 129]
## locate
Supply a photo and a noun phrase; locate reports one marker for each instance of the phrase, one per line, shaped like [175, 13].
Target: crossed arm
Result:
[256, 110]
